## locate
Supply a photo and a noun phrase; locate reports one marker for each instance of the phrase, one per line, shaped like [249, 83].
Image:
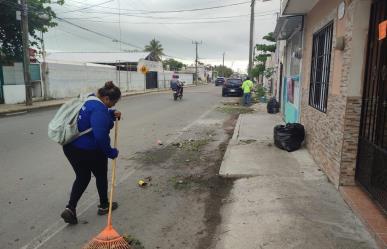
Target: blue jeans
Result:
[247, 99]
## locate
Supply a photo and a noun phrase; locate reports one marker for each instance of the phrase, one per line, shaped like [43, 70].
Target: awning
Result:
[286, 25]
[297, 7]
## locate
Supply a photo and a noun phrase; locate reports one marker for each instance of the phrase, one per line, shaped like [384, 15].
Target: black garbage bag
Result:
[273, 106]
[289, 137]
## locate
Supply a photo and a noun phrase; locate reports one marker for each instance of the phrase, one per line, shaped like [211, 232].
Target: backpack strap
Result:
[91, 97]
[85, 132]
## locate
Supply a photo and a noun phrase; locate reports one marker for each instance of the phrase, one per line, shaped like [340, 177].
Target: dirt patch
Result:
[155, 156]
[219, 189]
[185, 194]
[235, 110]
[230, 123]
[133, 242]
[248, 141]
[191, 144]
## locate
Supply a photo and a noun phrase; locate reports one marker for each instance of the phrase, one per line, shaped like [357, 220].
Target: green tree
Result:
[11, 49]
[223, 71]
[263, 52]
[156, 49]
[173, 64]
[259, 69]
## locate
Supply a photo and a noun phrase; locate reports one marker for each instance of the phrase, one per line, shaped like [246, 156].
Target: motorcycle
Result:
[178, 92]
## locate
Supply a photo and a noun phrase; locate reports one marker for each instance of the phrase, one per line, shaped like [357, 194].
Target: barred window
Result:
[320, 68]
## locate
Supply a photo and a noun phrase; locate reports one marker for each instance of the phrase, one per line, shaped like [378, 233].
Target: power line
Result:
[88, 7]
[181, 10]
[107, 36]
[97, 33]
[187, 19]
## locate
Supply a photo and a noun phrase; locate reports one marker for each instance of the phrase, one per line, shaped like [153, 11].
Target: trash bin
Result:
[289, 137]
[273, 106]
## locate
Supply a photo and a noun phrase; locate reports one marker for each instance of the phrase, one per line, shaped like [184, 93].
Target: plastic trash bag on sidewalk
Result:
[273, 106]
[289, 137]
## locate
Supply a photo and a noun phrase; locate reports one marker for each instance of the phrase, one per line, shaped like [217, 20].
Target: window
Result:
[320, 68]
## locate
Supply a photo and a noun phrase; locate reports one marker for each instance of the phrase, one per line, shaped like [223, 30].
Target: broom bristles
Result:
[116, 244]
[108, 239]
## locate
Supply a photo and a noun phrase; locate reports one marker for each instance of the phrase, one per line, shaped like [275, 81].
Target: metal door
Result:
[371, 170]
[151, 80]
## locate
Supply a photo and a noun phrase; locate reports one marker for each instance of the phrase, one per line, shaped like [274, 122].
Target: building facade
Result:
[290, 30]
[343, 91]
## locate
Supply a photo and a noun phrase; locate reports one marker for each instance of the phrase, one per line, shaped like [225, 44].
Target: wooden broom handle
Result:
[114, 163]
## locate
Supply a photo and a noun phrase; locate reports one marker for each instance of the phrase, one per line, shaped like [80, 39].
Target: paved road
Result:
[35, 176]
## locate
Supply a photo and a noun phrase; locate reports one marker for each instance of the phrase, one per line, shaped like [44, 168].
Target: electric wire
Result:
[183, 10]
[88, 7]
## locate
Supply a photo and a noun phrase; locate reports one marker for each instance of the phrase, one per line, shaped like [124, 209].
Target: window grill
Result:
[320, 68]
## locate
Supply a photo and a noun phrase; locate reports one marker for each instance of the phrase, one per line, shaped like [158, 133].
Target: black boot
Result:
[69, 215]
[104, 208]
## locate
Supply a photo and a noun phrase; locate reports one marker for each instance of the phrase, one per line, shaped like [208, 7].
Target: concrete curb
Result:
[21, 109]
[233, 141]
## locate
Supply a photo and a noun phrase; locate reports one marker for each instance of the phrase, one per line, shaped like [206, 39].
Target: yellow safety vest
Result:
[247, 86]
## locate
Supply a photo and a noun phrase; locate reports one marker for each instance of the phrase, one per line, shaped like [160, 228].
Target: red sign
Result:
[382, 30]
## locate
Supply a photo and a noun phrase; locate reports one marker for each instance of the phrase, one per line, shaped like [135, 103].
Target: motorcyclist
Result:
[176, 84]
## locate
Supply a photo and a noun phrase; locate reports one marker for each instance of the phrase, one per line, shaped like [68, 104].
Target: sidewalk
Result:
[280, 199]
[8, 109]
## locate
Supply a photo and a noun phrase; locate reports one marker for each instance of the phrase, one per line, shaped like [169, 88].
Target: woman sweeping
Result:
[89, 153]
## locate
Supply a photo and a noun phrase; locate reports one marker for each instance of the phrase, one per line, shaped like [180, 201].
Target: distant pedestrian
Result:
[89, 153]
[247, 87]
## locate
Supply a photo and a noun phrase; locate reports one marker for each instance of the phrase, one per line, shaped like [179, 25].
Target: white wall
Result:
[14, 89]
[14, 94]
[130, 81]
[70, 80]
[165, 82]
[164, 78]
[188, 78]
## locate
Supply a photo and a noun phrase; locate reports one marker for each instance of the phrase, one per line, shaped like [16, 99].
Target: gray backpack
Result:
[63, 128]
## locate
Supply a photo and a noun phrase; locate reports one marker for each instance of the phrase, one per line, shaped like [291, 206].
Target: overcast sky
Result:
[220, 29]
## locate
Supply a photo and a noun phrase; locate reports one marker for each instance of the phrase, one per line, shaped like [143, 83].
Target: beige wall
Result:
[332, 136]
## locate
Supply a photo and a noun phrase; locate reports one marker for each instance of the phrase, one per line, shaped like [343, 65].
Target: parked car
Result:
[220, 81]
[232, 87]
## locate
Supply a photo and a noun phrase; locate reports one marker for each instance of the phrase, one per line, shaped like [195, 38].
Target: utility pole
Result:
[196, 60]
[26, 52]
[223, 57]
[251, 37]
[44, 71]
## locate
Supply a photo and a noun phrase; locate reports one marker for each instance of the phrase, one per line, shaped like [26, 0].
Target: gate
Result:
[151, 80]
[371, 170]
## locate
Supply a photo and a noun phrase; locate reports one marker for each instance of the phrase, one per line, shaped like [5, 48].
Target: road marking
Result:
[15, 113]
[58, 226]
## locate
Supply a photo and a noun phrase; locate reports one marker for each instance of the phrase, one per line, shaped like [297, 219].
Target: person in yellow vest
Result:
[247, 87]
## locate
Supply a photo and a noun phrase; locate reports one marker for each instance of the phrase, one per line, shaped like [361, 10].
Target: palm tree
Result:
[156, 49]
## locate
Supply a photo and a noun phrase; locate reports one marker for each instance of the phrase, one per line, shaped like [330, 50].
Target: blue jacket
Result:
[96, 115]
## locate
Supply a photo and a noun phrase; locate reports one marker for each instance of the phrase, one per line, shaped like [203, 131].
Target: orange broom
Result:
[109, 238]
